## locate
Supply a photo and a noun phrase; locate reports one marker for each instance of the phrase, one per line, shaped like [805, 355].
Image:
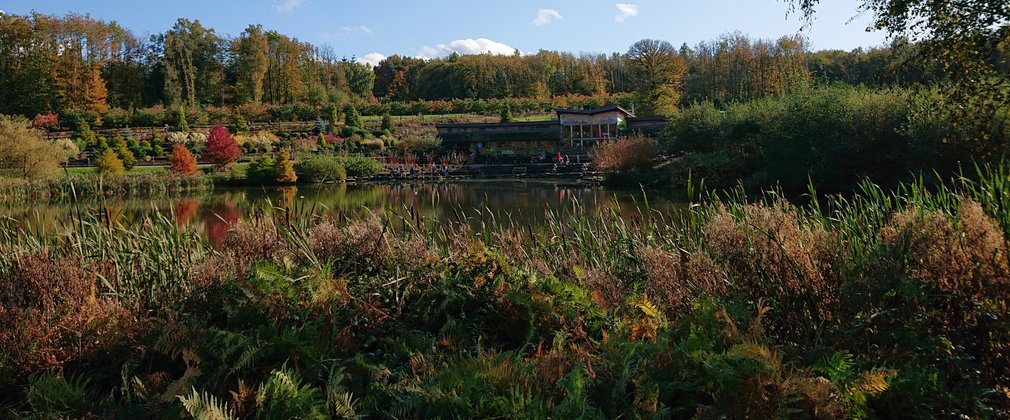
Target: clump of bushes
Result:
[261, 170]
[320, 169]
[360, 166]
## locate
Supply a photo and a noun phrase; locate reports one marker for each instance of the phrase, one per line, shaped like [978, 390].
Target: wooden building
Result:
[573, 133]
[586, 127]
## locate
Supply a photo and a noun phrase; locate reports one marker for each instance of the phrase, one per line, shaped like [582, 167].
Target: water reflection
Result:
[212, 214]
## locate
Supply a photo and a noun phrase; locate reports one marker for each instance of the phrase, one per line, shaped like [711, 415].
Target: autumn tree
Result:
[657, 69]
[182, 162]
[96, 96]
[222, 150]
[25, 152]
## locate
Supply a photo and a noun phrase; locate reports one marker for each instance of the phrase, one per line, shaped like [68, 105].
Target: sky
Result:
[373, 29]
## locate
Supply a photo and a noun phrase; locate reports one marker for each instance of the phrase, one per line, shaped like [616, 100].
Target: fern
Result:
[839, 367]
[284, 396]
[193, 371]
[875, 381]
[203, 406]
[342, 405]
[53, 395]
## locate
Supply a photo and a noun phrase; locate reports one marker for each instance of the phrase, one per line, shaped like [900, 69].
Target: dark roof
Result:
[607, 108]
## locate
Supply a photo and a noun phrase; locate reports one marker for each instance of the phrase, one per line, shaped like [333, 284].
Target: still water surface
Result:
[212, 213]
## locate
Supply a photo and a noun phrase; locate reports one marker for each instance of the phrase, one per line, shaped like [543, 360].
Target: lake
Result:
[212, 213]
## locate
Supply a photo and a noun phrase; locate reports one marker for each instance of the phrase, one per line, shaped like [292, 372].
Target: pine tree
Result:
[320, 126]
[321, 141]
[123, 152]
[387, 124]
[83, 134]
[506, 114]
[180, 120]
[334, 119]
[352, 118]
[283, 167]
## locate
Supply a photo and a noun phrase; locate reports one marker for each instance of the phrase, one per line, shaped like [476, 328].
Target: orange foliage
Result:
[182, 161]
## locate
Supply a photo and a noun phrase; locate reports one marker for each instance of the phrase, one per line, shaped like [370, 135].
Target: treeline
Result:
[50, 64]
[55, 64]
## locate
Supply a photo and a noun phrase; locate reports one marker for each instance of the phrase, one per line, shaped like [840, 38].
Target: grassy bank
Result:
[883, 303]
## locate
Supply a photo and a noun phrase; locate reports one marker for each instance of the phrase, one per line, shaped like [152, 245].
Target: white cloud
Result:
[287, 5]
[347, 30]
[428, 52]
[361, 28]
[372, 59]
[625, 11]
[465, 47]
[546, 16]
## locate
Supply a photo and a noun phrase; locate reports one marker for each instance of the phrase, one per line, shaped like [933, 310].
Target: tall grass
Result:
[89, 185]
[879, 303]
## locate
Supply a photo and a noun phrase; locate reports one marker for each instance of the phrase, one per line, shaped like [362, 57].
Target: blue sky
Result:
[379, 28]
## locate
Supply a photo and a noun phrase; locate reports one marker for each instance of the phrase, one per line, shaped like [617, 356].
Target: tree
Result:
[127, 157]
[334, 118]
[222, 150]
[261, 170]
[97, 94]
[109, 164]
[182, 162]
[506, 114]
[25, 152]
[84, 135]
[252, 62]
[180, 120]
[320, 127]
[193, 70]
[387, 124]
[321, 141]
[966, 41]
[352, 118]
[658, 70]
[283, 168]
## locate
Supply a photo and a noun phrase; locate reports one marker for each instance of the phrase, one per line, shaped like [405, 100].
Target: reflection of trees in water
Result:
[509, 202]
[185, 211]
[218, 217]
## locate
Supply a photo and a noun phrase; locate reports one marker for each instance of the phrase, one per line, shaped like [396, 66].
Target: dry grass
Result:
[52, 313]
[626, 153]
